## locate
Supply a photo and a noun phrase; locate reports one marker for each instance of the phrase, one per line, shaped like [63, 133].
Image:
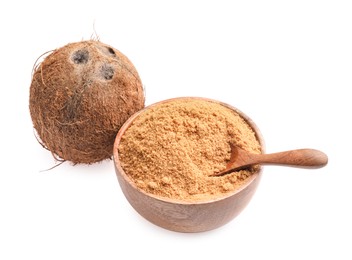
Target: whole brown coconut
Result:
[80, 96]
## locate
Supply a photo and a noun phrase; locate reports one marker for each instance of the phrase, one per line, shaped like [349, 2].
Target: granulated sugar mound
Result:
[172, 149]
[80, 96]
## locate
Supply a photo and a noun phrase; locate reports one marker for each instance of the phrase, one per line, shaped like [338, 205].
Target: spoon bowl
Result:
[183, 215]
[303, 158]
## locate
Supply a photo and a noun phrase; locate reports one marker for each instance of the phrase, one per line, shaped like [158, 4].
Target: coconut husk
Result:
[80, 96]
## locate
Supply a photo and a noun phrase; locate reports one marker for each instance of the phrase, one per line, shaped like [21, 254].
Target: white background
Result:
[286, 64]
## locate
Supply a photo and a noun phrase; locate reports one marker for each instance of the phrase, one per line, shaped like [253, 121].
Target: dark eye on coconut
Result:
[111, 51]
[80, 56]
[107, 72]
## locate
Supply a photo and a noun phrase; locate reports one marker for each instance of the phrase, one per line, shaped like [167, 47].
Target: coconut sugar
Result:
[172, 148]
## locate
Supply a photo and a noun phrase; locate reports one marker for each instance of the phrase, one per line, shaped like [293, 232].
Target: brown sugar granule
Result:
[171, 149]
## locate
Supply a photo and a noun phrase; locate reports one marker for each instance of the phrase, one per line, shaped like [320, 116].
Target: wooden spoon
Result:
[303, 158]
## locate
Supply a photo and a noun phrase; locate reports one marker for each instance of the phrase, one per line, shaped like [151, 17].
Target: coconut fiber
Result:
[80, 96]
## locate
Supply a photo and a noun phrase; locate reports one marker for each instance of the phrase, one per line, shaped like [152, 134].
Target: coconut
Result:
[80, 96]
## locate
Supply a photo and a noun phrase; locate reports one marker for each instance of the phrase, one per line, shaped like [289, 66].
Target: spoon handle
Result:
[305, 158]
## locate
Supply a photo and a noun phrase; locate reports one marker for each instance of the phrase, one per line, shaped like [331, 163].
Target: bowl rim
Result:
[130, 120]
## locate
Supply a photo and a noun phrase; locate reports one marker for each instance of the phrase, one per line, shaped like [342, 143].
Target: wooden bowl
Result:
[186, 216]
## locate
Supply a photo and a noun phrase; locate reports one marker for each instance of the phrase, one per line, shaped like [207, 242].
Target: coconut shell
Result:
[80, 96]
